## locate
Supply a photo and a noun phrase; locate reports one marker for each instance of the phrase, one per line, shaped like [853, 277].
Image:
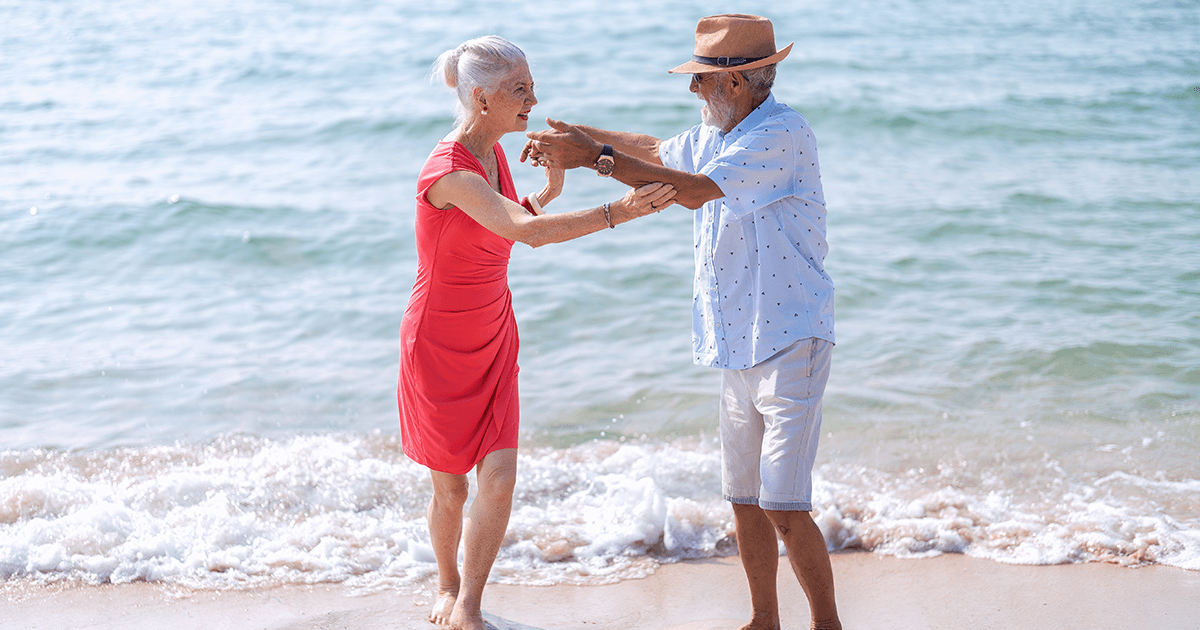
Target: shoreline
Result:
[874, 592]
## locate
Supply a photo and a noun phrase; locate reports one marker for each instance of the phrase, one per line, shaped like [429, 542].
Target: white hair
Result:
[761, 80]
[478, 63]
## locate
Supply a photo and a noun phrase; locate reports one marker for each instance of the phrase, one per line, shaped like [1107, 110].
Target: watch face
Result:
[604, 165]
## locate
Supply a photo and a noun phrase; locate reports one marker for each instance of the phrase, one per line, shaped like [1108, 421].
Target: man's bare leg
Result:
[809, 558]
[487, 522]
[445, 529]
[759, 551]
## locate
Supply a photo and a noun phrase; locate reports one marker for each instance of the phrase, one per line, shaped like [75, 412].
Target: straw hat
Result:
[727, 43]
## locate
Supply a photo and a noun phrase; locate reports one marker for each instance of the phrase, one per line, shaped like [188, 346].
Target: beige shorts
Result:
[770, 425]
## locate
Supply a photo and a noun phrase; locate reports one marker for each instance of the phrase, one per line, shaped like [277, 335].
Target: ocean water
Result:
[206, 247]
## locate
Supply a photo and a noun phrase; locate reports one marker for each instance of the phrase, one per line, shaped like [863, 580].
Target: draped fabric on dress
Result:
[458, 342]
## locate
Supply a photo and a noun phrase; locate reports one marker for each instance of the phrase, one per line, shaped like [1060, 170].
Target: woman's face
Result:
[509, 105]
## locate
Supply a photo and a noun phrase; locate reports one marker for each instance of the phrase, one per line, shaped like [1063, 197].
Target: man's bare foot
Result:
[762, 622]
[443, 606]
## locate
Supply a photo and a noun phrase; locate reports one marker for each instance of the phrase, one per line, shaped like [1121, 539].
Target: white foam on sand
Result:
[244, 512]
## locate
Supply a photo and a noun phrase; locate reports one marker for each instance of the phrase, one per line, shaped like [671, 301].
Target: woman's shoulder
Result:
[447, 150]
[449, 156]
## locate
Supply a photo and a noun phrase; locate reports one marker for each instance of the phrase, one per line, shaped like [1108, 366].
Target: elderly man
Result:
[763, 304]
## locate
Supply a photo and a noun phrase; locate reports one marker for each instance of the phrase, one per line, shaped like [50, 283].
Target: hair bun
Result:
[447, 67]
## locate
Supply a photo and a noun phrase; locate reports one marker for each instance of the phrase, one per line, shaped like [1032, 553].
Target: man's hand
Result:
[562, 146]
[565, 146]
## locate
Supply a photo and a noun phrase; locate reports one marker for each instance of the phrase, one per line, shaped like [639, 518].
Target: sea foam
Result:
[246, 511]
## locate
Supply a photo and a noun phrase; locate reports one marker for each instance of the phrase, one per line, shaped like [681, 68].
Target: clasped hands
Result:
[562, 146]
[565, 146]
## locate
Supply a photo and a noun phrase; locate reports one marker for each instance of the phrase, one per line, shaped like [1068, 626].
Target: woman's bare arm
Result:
[473, 195]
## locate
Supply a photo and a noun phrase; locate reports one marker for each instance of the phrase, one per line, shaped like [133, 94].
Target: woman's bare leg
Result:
[487, 522]
[445, 518]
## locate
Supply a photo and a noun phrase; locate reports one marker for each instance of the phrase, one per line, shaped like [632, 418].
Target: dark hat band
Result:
[726, 62]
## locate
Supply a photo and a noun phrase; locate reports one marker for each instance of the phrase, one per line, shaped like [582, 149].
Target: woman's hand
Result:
[554, 185]
[530, 152]
[562, 145]
[639, 202]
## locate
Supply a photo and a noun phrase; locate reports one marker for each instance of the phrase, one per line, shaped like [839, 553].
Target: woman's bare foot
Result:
[443, 607]
[463, 620]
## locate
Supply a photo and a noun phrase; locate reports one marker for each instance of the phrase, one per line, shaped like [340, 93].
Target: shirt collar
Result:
[752, 120]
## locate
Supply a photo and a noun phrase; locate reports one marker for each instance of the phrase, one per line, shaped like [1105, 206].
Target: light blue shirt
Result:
[760, 250]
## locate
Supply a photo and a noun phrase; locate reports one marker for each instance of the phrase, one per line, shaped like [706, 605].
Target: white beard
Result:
[718, 111]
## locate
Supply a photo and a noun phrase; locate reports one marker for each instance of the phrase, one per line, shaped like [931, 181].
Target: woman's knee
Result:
[451, 491]
[498, 480]
[498, 473]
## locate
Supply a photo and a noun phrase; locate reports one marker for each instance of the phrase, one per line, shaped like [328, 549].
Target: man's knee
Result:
[789, 520]
[746, 509]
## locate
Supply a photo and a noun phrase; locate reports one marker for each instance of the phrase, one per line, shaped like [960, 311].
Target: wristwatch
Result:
[605, 163]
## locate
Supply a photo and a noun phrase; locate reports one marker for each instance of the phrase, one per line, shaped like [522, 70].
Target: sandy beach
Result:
[874, 592]
[208, 227]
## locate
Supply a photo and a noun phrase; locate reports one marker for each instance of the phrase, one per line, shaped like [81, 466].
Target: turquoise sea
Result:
[206, 248]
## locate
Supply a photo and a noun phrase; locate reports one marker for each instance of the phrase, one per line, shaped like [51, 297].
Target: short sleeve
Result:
[679, 153]
[446, 158]
[758, 169]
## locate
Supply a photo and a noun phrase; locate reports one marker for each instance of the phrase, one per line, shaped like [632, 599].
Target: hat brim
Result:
[695, 67]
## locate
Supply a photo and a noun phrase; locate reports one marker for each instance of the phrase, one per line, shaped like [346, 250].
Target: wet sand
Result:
[874, 592]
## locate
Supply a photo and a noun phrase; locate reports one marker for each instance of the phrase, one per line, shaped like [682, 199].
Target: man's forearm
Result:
[638, 145]
[691, 191]
[635, 157]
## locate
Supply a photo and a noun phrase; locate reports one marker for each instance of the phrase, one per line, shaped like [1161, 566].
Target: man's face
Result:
[712, 88]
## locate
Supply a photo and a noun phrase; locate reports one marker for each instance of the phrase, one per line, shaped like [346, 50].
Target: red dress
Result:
[458, 342]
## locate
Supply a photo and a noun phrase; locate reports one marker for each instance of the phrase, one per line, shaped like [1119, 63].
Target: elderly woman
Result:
[458, 358]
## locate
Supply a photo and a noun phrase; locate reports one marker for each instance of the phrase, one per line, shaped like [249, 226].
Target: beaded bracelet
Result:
[537, 207]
